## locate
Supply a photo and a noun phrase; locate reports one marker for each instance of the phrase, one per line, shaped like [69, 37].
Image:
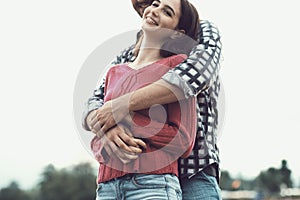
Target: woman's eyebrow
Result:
[168, 7]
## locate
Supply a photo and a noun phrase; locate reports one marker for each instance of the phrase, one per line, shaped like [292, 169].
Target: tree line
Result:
[79, 183]
[76, 183]
[268, 182]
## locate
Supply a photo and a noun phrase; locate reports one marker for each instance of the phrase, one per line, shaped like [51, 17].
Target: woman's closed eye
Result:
[167, 12]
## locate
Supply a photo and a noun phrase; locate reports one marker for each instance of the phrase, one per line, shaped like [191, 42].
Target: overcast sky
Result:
[44, 45]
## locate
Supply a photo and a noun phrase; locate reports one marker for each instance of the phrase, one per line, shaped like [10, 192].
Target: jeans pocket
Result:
[179, 194]
[106, 191]
[149, 181]
[173, 185]
[99, 187]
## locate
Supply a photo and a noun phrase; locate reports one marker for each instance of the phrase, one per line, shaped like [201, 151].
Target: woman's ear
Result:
[177, 34]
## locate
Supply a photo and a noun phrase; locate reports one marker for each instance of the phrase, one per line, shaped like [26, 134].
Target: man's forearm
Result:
[114, 111]
[159, 92]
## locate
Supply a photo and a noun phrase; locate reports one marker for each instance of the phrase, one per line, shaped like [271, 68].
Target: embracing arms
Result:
[189, 78]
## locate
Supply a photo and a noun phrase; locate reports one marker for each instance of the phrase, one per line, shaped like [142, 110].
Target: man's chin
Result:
[140, 5]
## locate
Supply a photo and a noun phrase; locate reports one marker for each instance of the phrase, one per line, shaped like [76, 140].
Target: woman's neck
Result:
[149, 52]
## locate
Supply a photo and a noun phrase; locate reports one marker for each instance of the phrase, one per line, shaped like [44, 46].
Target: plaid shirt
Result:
[197, 76]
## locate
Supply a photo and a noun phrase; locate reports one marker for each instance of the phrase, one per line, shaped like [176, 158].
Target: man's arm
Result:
[198, 71]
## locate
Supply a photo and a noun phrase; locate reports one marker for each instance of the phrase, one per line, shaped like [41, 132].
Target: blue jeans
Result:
[200, 187]
[140, 187]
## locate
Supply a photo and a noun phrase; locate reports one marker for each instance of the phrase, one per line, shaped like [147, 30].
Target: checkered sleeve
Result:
[94, 102]
[97, 98]
[127, 55]
[201, 67]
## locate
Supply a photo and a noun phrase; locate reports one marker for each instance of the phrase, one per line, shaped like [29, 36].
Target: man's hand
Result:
[123, 138]
[118, 141]
[109, 115]
[89, 119]
[93, 125]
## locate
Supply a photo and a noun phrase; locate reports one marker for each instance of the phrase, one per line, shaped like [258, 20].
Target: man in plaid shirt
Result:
[197, 76]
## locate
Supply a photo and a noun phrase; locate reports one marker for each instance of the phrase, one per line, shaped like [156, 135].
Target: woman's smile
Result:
[150, 20]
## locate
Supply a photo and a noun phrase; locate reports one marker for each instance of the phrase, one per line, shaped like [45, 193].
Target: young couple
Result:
[155, 114]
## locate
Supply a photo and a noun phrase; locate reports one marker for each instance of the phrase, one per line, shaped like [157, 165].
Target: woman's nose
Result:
[154, 11]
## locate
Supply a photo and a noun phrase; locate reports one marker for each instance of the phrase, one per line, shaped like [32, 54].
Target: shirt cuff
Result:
[174, 79]
[90, 107]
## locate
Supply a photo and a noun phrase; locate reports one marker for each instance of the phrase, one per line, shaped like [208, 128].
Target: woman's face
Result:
[162, 14]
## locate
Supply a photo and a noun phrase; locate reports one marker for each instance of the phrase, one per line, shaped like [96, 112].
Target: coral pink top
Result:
[169, 133]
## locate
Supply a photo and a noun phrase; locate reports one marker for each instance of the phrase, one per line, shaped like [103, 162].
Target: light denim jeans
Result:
[140, 187]
[200, 187]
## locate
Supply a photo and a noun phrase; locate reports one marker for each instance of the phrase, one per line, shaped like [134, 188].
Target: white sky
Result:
[43, 45]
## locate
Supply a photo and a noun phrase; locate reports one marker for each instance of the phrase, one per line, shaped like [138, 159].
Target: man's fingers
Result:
[135, 149]
[96, 127]
[107, 125]
[113, 150]
[127, 160]
[94, 120]
[120, 143]
[128, 139]
[140, 143]
[107, 145]
[127, 131]
[99, 133]
[93, 114]
[132, 143]
[121, 155]
[130, 156]
[104, 128]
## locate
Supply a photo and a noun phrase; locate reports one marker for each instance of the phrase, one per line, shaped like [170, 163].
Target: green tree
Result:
[76, 183]
[273, 179]
[13, 192]
[225, 180]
